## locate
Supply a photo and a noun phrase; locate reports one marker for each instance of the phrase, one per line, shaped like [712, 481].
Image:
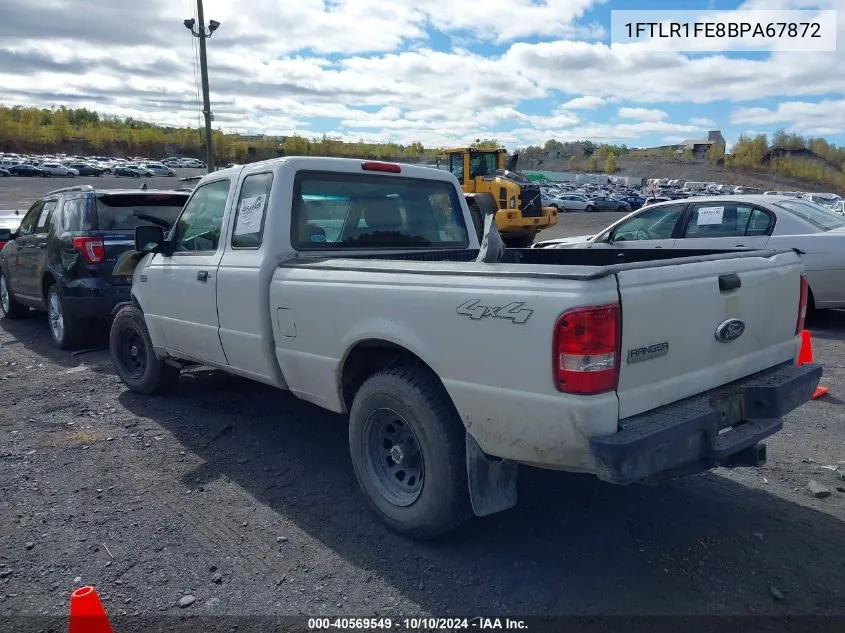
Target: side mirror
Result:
[6, 235]
[150, 239]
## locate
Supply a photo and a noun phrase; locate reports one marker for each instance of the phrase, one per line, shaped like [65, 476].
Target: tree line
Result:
[83, 131]
[825, 166]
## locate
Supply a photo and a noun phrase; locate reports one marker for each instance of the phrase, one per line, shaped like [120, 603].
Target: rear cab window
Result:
[349, 211]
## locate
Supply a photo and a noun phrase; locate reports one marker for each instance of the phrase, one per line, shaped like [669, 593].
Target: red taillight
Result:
[92, 249]
[375, 166]
[587, 349]
[2, 244]
[802, 303]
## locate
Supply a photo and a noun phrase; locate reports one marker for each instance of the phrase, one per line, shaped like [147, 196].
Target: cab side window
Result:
[252, 205]
[201, 223]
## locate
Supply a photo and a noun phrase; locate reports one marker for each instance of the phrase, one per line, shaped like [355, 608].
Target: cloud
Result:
[702, 121]
[584, 103]
[342, 67]
[642, 114]
[822, 117]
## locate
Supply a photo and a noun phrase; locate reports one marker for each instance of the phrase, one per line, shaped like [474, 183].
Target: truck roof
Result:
[349, 165]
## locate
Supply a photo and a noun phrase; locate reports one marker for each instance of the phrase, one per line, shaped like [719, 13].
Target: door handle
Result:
[202, 276]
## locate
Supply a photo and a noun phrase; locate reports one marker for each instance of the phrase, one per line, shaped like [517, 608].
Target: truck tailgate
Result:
[671, 314]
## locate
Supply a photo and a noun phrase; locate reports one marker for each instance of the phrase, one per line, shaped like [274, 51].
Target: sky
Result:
[435, 72]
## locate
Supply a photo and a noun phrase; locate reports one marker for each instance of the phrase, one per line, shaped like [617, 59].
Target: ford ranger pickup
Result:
[363, 288]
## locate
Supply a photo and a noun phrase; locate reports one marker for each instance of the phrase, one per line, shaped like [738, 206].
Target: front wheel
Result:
[408, 449]
[11, 308]
[621, 209]
[133, 356]
[590, 209]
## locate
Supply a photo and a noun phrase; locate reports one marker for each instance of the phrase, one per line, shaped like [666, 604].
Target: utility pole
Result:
[201, 33]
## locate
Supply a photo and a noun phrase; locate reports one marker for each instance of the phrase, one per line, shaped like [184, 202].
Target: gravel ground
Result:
[243, 498]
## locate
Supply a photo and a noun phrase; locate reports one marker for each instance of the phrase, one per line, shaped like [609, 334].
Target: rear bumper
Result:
[719, 428]
[94, 301]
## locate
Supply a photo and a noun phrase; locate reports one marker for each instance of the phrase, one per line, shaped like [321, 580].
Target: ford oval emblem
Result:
[730, 330]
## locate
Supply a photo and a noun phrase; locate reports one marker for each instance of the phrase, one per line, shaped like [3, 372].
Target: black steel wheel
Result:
[393, 457]
[134, 358]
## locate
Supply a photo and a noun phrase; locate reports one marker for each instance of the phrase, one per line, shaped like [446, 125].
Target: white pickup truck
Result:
[361, 287]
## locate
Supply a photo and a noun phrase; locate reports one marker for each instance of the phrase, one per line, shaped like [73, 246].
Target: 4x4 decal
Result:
[513, 311]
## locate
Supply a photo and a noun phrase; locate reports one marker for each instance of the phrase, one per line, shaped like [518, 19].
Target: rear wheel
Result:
[11, 308]
[621, 209]
[408, 449]
[590, 208]
[133, 356]
[67, 331]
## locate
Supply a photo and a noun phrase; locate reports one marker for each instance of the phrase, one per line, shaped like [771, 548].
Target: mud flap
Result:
[492, 483]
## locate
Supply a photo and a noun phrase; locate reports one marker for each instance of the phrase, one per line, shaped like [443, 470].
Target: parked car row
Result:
[590, 199]
[70, 166]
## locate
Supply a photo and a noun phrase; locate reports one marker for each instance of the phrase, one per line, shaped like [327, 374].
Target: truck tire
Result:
[408, 449]
[133, 356]
[10, 306]
[67, 331]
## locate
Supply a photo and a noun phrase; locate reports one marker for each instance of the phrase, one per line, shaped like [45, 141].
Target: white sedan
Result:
[568, 202]
[57, 169]
[741, 222]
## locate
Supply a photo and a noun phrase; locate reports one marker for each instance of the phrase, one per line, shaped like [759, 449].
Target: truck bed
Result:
[583, 264]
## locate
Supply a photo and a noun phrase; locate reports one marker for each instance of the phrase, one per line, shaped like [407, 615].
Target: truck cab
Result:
[492, 187]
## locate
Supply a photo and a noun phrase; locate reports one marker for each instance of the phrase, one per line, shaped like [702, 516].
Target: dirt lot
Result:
[244, 498]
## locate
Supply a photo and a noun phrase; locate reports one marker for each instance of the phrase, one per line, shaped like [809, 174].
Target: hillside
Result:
[788, 161]
[704, 171]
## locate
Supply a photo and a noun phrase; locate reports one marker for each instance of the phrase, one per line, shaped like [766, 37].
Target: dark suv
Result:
[60, 258]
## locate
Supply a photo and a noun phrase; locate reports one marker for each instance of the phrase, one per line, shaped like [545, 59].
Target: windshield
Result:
[820, 217]
[119, 212]
[514, 176]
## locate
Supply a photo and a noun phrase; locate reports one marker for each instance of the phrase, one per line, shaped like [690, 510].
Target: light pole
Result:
[203, 34]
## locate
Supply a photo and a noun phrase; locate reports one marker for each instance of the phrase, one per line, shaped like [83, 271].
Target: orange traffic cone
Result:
[805, 355]
[87, 614]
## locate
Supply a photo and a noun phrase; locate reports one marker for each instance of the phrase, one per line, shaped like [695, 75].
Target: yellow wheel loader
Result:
[490, 186]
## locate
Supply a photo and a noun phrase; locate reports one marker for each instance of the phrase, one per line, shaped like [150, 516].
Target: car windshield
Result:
[820, 217]
[119, 212]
